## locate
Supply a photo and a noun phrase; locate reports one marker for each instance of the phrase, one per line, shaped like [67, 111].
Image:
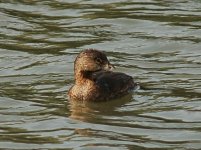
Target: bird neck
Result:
[81, 77]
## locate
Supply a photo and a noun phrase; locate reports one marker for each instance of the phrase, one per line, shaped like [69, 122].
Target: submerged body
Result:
[94, 81]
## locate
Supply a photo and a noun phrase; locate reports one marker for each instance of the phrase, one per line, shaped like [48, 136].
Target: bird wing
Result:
[113, 83]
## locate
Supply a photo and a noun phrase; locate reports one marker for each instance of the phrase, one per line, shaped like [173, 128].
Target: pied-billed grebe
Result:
[94, 81]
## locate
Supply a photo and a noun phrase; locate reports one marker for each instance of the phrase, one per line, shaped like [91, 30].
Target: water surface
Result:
[155, 41]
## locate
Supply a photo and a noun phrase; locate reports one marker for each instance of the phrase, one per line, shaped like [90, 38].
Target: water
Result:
[156, 41]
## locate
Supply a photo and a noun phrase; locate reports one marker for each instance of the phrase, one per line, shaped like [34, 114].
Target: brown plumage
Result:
[94, 81]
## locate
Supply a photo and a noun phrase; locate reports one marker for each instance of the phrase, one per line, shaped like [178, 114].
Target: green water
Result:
[158, 42]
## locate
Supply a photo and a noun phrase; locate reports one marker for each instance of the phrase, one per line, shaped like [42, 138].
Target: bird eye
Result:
[98, 60]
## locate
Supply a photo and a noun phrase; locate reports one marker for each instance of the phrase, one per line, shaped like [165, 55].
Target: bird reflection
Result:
[94, 112]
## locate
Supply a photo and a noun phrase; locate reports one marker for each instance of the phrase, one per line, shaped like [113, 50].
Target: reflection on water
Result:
[156, 41]
[85, 111]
